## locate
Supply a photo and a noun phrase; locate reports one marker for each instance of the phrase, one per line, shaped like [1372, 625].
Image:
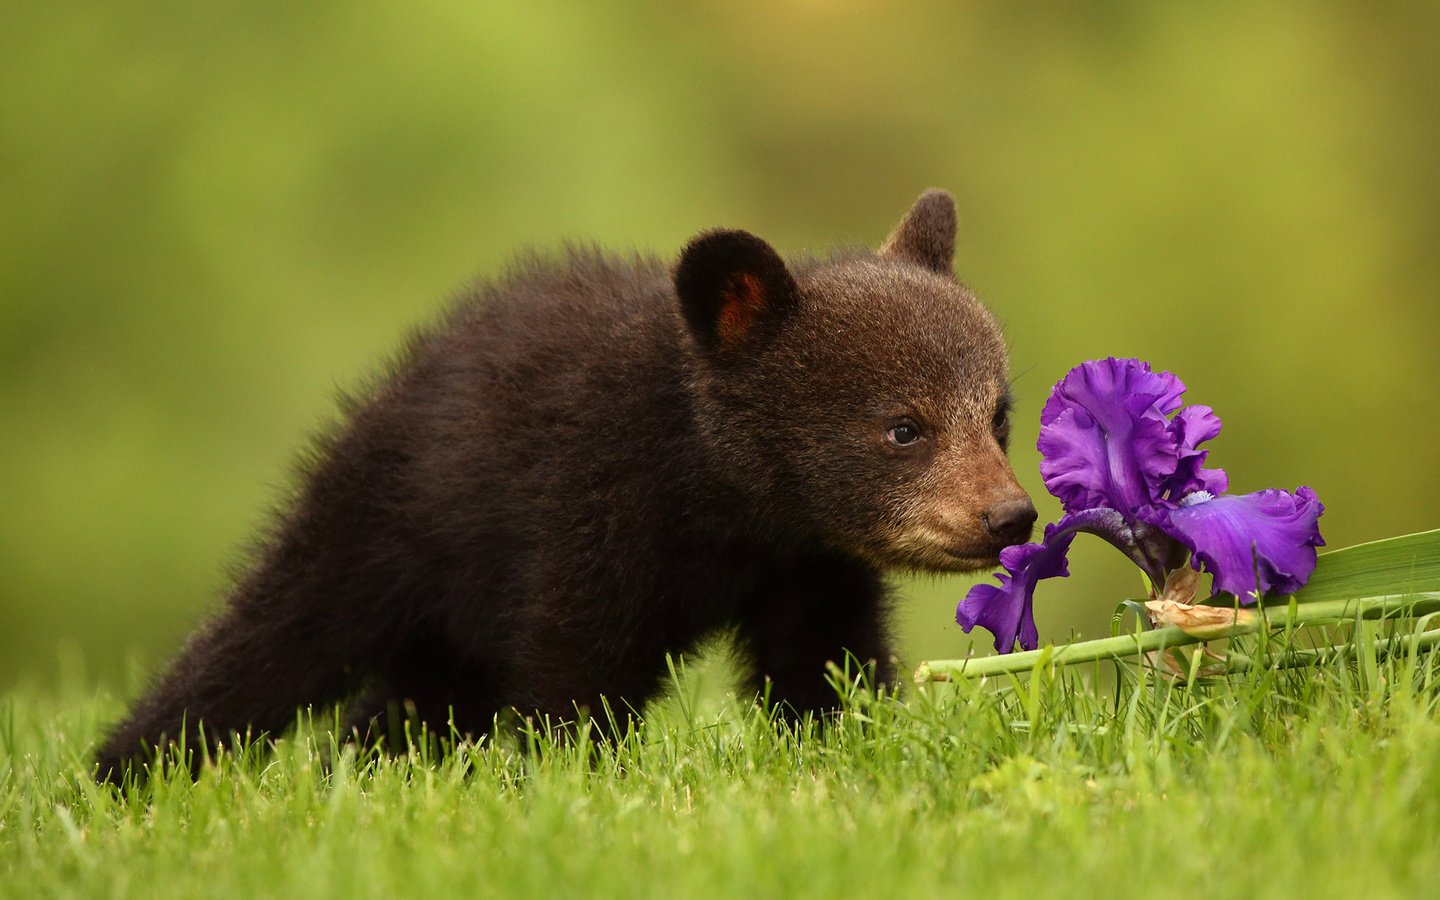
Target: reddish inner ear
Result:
[741, 303]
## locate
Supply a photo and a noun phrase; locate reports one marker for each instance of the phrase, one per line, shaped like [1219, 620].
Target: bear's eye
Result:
[1000, 422]
[1002, 414]
[903, 434]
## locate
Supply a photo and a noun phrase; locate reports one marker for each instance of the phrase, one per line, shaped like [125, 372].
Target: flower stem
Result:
[1290, 659]
[1278, 616]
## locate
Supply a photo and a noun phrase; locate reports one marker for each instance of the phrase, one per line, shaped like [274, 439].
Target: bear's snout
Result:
[1011, 521]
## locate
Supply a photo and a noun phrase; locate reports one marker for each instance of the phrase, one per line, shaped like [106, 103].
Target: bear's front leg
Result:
[825, 610]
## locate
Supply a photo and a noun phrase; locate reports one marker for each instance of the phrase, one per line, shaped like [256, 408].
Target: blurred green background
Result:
[212, 215]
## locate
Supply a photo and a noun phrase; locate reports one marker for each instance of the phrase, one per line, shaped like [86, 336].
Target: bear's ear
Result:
[926, 236]
[731, 284]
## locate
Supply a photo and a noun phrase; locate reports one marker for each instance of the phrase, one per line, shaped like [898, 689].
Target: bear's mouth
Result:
[968, 559]
[933, 549]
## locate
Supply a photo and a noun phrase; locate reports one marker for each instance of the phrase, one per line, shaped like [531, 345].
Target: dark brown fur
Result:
[593, 463]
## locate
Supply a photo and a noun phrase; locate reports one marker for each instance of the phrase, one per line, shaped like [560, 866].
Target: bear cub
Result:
[595, 461]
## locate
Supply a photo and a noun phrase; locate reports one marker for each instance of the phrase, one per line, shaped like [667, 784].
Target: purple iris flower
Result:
[1122, 455]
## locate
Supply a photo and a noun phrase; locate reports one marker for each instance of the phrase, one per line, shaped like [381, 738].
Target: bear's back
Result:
[544, 402]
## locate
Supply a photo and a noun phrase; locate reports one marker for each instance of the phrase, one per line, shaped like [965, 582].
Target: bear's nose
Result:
[1011, 521]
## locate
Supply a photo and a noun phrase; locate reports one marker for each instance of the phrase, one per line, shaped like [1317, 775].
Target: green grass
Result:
[1293, 782]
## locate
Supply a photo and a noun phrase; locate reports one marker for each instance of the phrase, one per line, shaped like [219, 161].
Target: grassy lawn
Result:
[1320, 782]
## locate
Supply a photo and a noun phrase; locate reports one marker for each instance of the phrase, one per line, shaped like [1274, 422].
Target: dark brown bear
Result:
[597, 461]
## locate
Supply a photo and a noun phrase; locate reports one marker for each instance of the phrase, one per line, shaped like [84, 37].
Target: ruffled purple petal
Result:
[1270, 533]
[1115, 380]
[1192, 426]
[1006, 610]
[1105, 437]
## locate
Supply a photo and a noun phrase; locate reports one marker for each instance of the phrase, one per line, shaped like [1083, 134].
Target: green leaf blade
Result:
[1409, 564]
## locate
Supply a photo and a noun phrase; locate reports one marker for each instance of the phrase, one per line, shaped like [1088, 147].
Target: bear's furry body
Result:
[594, 462]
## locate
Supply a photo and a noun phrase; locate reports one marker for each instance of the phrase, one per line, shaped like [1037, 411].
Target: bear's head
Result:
[860, 400]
